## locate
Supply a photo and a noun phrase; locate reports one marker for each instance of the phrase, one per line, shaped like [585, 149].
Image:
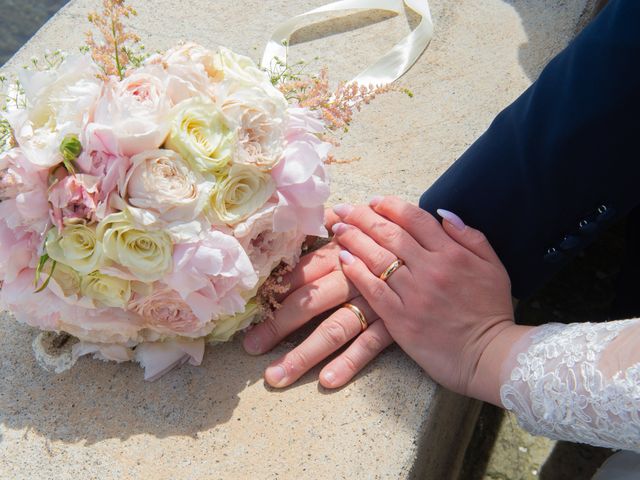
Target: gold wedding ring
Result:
[358, 313]
[384, 276]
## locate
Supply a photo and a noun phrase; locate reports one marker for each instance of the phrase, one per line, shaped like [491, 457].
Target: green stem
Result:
[115, 41]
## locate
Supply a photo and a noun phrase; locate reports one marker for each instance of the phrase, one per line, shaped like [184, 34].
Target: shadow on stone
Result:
[545, 20]
[95, 401]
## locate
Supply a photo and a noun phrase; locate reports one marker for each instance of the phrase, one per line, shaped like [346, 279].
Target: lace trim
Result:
[556, 389]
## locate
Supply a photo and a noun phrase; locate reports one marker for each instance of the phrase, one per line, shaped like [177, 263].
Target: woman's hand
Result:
[449, 306]
[317, 285]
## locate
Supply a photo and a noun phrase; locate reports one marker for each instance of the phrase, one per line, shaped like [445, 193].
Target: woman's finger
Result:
[385, 232]
[376, 292]
[332, 334]
[367, 346]
[375, 257]
[297, 309]
[470, 238]
[363, 246]
[420, 224]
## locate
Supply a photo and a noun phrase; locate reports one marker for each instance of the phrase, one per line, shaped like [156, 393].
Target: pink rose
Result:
[301, 178]
[103, 158]
[166, 312]
[75, 196]
[28, 207]
[136, 110]
[42, 310]
[265, 247]
[18, 250]
[212, 275]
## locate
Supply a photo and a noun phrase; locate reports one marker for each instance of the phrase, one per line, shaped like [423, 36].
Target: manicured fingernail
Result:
[343, 209]
[338, 228]
[276, 375]
[252, 344]
[346, 257]
[329, 377]
[375, 200]
[452, 218]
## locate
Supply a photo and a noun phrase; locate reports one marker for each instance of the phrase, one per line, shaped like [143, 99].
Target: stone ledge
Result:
[220, 420]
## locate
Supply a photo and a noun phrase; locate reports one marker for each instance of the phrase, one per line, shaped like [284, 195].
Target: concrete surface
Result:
[220, 420]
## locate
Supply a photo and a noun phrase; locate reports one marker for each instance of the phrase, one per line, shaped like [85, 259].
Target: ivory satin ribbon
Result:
[387, 68]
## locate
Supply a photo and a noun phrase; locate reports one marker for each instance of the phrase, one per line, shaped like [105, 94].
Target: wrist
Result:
[486, 380]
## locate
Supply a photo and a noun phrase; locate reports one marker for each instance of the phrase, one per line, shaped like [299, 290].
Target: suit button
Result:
[553, 255]
[570, 242]
[586, 227]
[605, 213]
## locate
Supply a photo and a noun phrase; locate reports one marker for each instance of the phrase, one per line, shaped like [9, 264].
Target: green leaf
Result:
[46, 282]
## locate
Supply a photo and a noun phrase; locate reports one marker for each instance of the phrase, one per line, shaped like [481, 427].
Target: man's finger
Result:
[297, 309]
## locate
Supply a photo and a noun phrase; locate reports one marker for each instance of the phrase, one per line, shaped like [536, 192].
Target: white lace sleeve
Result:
[578, 382]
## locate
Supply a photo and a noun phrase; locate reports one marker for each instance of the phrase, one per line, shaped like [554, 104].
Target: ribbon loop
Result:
[387, 68]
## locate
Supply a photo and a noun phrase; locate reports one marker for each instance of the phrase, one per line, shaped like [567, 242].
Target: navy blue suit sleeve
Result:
[561, 161]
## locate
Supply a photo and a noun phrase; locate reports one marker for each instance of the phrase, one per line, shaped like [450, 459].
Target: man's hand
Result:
[317, 285]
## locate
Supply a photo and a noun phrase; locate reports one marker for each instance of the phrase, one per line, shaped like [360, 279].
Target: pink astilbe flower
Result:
[338, 106]
[112, 54]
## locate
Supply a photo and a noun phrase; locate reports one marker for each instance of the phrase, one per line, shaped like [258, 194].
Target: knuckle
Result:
[379, 261]
[372, 344]
[391, 232]
[377, 290]
[476, 237]
[272, 329]
[296, 362]
[440, 278]
[350, 363]
[334, 332]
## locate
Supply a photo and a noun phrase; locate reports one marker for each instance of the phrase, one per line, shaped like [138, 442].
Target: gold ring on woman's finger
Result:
[384, 276]
[358, 313]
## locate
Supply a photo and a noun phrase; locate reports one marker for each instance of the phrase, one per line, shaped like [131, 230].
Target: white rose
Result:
[240, 70]
[201, 134]
[192, 71]
[76, 246]
[160, 182]
[146, 254]
[59, 102]
[136, 109]
[261, 120]
[241, 193]
[108, 291]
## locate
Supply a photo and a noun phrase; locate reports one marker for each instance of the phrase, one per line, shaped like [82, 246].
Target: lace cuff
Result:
[578, 382]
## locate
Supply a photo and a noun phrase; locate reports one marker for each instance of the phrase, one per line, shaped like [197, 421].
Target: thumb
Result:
[470, 238]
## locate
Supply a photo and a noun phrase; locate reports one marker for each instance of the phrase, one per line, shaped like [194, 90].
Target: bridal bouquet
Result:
[150, 204]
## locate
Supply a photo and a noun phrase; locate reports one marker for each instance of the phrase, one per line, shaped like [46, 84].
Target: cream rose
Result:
[108, 291]
[261, 121]
[227, 326]
[160, 182]
[65, 281]
[243, 192]
[146, 254]
[76, 246]
[200, 132]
